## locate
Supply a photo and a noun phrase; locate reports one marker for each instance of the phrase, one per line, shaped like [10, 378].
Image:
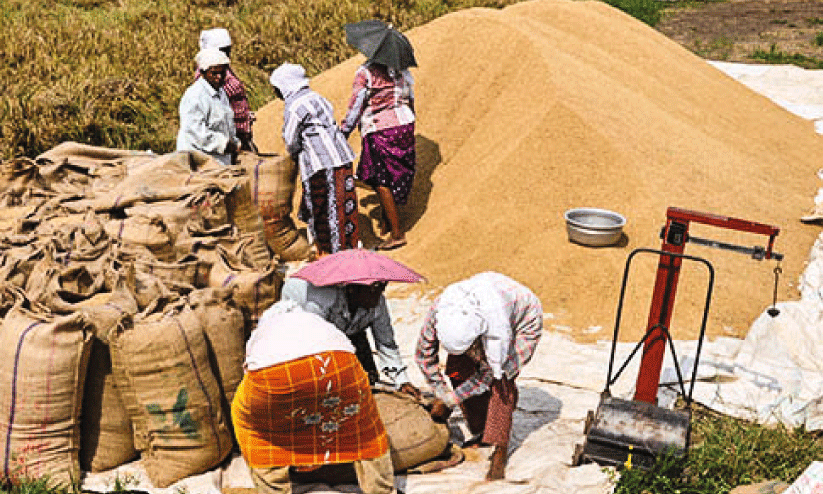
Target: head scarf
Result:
[289, 78]
[470, 309]
[210, 57]
[214, 38]
[272, 342]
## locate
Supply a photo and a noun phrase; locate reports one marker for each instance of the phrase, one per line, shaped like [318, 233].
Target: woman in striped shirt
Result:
[325, 159]
[489, 325]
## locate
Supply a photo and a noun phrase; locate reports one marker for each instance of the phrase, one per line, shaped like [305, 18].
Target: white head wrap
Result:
[210, 57]
[470, 309]
[289, 78]
[214, 38]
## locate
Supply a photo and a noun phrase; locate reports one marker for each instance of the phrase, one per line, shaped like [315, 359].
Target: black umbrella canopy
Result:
[381, 43]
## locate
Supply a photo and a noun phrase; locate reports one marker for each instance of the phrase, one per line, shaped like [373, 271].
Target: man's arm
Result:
[390, 363]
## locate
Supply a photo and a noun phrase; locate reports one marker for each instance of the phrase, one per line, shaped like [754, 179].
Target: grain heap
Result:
[547, 105]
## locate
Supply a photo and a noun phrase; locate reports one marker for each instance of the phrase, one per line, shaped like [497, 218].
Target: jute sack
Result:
[197, 236]
[161, 366]
[188, 270]
[414, 437]
[18, 263]
[150, 232]
[225, 330]
[105, 311]
[43, 365]
[243, 213]
[70, 286]
[253, 290]
[107, 439]
[273, 179]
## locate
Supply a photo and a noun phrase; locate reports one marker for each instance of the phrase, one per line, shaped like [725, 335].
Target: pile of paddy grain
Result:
[547, 105]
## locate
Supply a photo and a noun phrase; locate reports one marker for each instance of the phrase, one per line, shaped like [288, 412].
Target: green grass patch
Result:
[36, 486]
[775, 56]
[719, 48]
[818, 39]
[726, 453]
[648, 11]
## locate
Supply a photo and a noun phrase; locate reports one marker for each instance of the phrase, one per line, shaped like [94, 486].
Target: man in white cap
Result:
[206, 118]
[243, 117]
[489, 325]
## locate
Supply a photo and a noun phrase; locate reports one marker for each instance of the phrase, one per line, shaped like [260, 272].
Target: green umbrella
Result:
[381, 43]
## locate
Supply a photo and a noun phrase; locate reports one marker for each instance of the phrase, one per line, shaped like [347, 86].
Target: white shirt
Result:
[286, 332]
[206, 121]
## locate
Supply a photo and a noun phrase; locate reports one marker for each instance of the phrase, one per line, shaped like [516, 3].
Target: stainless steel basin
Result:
[594, 226]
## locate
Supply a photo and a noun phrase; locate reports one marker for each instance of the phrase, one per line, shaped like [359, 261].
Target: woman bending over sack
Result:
[490, 325]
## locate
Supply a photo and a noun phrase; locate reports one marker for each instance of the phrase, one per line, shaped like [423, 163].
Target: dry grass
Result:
[111, 72]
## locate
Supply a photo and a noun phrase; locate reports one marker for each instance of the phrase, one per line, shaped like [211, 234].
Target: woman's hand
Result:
[440, 412]
[410, 390]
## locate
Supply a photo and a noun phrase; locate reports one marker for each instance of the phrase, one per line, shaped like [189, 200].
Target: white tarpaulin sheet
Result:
[776, 373]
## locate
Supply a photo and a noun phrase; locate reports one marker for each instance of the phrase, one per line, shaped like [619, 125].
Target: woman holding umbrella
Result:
[382, 106]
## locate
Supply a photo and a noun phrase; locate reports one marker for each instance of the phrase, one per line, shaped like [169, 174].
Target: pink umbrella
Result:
[359, 266]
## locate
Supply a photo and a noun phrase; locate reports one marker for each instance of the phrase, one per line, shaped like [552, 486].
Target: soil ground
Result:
[732, 30]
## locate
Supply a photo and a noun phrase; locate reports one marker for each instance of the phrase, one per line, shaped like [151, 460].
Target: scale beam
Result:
[758, 253]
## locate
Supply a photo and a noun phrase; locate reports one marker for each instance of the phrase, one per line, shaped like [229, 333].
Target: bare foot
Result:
[497, 467]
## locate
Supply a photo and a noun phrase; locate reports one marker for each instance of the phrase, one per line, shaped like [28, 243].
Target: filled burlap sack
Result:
[43, 367]
[254, 291]
[197, 237]
[273, 180]
[226, 336]
[107, 439]
[174, 214]
[66, 288]
[189, 270]
[43, 270]
[17, 263]
[166, 177]
[414, 437]
[243, 213]
[105, 311]
[161, 365]
[150, 232]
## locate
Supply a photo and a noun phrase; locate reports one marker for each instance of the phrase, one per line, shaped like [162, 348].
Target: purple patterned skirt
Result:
[387, 160]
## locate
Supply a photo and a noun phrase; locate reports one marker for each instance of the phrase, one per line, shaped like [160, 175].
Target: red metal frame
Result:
[665, 288]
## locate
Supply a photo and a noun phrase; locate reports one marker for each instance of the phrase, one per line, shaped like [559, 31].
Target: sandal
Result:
[391, 244]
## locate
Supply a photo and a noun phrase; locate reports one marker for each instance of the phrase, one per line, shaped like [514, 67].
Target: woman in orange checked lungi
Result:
[489, 325]
[305, 401]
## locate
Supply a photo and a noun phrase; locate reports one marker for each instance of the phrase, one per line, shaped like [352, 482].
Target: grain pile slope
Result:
[551, 104]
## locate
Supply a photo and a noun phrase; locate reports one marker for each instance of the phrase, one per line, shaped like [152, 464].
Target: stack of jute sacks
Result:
[130, 283]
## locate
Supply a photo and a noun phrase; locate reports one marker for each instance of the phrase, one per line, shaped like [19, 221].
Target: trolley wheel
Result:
[577, 457]
[589, 422]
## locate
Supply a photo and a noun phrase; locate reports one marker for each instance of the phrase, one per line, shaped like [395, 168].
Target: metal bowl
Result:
[593, 226]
